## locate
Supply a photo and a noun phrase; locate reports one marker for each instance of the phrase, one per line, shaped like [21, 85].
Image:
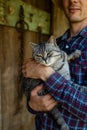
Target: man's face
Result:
[75, 10]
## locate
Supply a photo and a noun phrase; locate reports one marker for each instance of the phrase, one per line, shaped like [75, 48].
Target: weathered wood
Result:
[0, 89]
[9, 72]
[9, 61]
[9, 67]
[59, 21]
[41, 4]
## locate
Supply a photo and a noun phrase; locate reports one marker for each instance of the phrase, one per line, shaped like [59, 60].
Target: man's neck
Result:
[75, 28]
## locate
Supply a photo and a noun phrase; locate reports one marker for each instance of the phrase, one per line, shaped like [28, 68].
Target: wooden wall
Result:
[59, 21]
[41, 4]
[9, 64]
[9, 57]
[9, 61]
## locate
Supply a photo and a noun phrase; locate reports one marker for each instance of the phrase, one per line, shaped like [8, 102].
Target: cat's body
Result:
[49, 54]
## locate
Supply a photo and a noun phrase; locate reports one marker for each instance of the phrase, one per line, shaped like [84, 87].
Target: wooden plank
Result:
[9, 55]
[41, 4]
[0, 88]
[10, 59]
[59, 21]
[33, 16]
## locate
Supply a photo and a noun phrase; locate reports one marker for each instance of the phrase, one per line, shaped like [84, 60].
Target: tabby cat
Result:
[49, 54]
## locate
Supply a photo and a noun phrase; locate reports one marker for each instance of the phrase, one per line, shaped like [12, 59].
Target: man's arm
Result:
[70, 97]
[32, 69]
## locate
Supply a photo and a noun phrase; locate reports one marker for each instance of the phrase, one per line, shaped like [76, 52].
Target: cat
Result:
[49, 54]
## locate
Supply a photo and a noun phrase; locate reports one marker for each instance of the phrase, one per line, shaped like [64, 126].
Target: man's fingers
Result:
[50, 106]
[36, 90]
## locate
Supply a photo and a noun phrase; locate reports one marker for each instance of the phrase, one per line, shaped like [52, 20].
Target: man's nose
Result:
[73, 1]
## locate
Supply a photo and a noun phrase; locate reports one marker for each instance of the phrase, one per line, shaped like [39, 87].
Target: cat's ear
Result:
[52, 40]
[33, 45]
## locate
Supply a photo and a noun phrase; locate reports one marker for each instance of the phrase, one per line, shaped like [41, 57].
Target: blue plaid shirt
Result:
[73, 102]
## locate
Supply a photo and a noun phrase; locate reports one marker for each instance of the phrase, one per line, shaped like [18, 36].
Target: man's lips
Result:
[73, 9]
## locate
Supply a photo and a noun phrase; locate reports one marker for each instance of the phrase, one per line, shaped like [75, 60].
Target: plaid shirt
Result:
[73, 102]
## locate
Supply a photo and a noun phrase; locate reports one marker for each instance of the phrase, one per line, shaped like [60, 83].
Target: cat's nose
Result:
[44, 58]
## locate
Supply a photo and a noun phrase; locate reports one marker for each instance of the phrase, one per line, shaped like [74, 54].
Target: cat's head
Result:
[47, 52]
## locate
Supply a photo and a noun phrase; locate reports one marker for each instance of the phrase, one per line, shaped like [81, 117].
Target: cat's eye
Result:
[39, 55]
[49, 54]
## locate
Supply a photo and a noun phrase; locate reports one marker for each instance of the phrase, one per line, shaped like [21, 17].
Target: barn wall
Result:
[10, 44]
[59, 21]
[0, 93]
[9, 50]
[41, 4]
[9, 65]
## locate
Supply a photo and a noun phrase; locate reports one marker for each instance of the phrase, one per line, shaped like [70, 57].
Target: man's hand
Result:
[32, 69]
[41, 103]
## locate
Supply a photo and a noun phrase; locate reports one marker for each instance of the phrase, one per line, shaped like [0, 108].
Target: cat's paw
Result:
[77, 53]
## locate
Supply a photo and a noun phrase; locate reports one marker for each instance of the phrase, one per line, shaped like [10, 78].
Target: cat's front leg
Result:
[74, 55]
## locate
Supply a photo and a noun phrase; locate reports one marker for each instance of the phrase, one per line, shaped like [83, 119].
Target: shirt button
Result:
[45, 114]
[67, 46]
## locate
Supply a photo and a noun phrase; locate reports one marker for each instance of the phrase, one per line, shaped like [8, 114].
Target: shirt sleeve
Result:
[70, 97]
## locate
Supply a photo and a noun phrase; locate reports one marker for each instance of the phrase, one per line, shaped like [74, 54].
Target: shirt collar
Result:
[82, 33]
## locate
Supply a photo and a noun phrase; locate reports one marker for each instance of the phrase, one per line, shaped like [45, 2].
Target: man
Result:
[73, 102]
